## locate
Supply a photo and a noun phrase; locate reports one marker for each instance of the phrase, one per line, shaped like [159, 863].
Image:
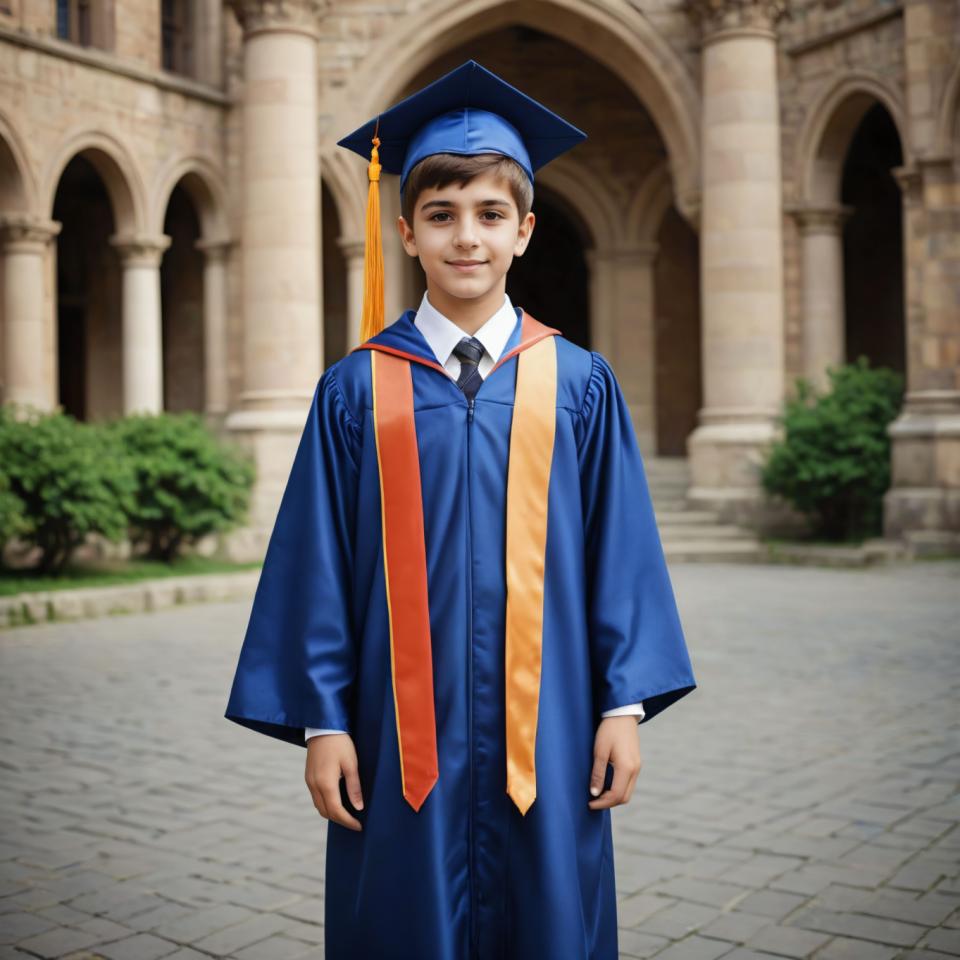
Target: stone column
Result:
[353, 252]
[622, 306]
[142, 347]
[26, 240]
[602, 295]
[923, 503]
[741, 262]
[215, 357]
[821, 240]
[280, 245]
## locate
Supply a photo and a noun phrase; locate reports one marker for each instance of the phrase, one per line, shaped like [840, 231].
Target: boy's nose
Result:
[465, 237]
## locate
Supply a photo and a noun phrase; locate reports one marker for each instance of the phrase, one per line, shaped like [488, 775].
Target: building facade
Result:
[768, 189]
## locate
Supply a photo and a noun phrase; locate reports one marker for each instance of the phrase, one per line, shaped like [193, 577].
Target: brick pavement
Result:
[802, 803]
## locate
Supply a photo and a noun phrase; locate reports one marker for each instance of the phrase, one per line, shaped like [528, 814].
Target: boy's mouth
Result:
[466, 265]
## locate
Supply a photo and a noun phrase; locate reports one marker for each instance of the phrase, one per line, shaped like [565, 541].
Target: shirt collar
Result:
[442, 334]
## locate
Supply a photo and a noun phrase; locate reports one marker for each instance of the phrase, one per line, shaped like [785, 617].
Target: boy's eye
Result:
[495, 215]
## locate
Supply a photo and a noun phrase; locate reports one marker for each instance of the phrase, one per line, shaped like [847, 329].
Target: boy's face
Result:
[466, 238]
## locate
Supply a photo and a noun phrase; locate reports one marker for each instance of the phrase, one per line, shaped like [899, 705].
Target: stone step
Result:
[684, 517]
[703, 531]
[744, 551]
[662, 505]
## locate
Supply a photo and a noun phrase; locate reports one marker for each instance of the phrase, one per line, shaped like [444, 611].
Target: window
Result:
[74, 21]
[176, 30]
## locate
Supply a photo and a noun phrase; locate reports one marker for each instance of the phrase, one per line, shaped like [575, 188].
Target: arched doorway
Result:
[604, 295]
[677, 339]
[873, 244]
[851, 228]
[181, 299]
[550, 280]
[89, 326]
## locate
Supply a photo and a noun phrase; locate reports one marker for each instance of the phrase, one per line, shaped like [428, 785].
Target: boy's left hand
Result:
[616, 743]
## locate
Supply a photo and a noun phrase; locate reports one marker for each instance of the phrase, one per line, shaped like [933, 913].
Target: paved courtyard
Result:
[803, 802]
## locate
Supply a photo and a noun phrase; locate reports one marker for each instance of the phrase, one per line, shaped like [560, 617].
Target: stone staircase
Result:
[690, 534]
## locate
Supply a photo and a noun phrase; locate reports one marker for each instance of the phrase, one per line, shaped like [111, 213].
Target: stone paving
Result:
[803, 802]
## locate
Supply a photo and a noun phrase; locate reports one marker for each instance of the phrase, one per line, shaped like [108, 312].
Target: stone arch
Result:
[18, 193]
[829, 128]
[593, 207]
[339, 172]
[649, 205]
[621, 39]
[118, 170]
[948, 120]
[203, 183]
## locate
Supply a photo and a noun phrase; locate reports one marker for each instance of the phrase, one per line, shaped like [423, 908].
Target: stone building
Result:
[768, 188]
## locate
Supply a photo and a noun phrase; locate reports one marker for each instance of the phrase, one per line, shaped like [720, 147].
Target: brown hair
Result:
[441, 169]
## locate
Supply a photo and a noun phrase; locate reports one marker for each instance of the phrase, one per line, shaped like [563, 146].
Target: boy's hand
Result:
[616, 742]
[328, 756]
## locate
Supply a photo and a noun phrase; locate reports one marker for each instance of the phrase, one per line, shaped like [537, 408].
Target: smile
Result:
[467, 267]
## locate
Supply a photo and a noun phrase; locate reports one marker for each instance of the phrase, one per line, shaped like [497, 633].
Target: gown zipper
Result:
[471, 864]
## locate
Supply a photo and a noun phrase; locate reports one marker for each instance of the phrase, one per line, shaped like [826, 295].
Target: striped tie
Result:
[469, 351]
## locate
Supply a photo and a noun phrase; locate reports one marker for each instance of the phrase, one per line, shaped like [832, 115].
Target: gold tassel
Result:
[372, 320]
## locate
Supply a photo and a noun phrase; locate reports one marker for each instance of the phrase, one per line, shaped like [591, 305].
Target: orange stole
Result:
[405, 570]
[528, 481]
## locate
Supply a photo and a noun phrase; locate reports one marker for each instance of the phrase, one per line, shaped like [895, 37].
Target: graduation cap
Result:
[467, 111]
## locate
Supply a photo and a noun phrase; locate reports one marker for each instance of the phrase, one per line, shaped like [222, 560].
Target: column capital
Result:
[827, 218]
[287, 16]
[214, 249]
[910, 180]
[26, 232]
[725, 17]
[140, 250]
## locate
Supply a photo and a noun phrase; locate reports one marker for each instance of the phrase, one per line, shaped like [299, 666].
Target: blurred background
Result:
[762, 235]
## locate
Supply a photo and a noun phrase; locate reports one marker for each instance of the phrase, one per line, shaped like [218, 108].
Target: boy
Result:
[464, 604]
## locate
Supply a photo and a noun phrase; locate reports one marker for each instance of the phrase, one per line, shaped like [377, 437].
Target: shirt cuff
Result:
[309, 732]
[626, 710]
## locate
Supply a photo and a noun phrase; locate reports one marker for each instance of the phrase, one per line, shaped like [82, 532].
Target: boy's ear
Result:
[407, 237]
[524, 233]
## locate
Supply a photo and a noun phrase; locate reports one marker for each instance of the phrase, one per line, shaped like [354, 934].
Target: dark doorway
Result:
[181, 302]
[678, 368]
[88, 302]
[550, 280]
[873, 244]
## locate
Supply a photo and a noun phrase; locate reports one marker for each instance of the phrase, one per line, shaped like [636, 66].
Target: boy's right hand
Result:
[329, 756]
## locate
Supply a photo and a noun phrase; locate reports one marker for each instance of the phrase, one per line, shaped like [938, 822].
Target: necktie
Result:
[469, 351]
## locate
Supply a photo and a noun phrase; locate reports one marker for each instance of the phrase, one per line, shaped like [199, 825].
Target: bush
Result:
[67, 480]
[12, 520]
[188, 483]
[833, 464]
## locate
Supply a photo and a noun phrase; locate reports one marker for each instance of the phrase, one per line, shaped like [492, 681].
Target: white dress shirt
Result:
[443, 335]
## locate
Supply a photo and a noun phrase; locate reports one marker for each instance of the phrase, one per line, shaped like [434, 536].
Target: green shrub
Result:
[188, 483]
[833, 463]
[12, 521]
[69, 478]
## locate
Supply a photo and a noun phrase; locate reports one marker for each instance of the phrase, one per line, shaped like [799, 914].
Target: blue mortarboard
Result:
[467, 111]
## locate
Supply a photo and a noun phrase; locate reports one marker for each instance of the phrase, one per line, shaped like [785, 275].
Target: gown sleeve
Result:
[637, 647]
[298, 659]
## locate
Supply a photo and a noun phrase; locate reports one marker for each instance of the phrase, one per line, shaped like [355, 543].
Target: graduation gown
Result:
[465, 877]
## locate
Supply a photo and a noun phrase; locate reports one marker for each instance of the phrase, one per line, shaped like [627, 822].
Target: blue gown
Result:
[467, 877]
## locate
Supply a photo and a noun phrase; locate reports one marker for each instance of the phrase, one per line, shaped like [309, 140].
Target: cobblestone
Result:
[802, 803]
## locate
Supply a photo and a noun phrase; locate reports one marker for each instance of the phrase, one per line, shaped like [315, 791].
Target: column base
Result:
[725, 462]
[922, 505]
[271, 438]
